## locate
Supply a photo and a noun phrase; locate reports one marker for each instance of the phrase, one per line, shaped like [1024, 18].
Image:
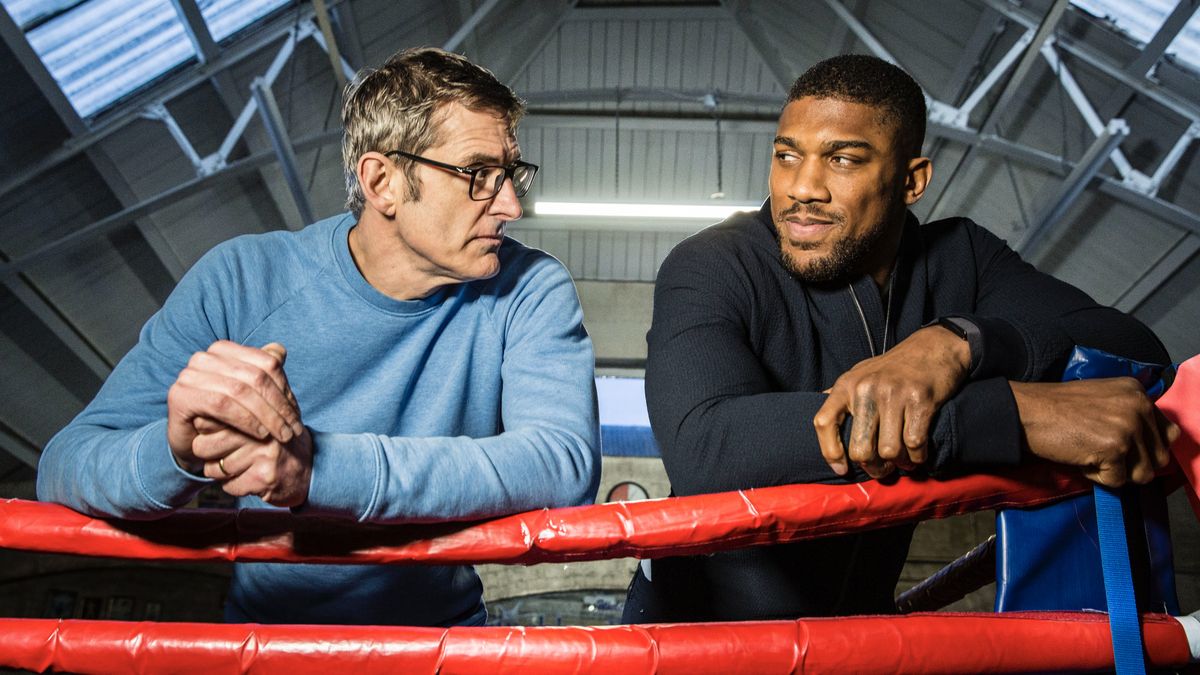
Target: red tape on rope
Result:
[676, 526]
[1181, 405]
[918, 643]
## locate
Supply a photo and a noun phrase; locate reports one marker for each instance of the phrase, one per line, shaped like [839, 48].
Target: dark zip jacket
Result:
[739, 352]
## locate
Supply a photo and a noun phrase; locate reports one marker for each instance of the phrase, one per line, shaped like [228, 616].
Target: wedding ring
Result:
[221, 466]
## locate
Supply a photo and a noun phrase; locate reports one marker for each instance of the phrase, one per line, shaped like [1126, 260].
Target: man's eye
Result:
[843, 160]
[785, 156]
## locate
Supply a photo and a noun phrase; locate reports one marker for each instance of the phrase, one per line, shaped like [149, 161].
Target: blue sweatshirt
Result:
[476, 401]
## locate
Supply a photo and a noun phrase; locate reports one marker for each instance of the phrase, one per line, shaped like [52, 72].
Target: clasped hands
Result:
[232, 415]
[1106, 427]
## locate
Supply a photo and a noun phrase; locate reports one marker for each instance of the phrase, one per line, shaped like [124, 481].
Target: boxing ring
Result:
[941, 642]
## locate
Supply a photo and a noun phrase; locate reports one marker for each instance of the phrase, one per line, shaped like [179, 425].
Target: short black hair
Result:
[859, 78]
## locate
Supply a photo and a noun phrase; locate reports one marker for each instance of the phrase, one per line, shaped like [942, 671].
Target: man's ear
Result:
[916, 178]
[375, 173]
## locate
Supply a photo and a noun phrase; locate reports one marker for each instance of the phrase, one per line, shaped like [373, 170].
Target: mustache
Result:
[812, 211]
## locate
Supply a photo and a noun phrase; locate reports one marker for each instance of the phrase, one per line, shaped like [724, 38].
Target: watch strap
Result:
[969, 331]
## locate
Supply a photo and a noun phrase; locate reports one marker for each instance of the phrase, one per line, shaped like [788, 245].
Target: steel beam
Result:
[234, 135]
[207, 51]
[1032, 55]
[543, 22]
[1147, 58]
[346, 28]
[647, 12]
[648, 94]
[50, 316]
[1135, 183]
[159, 113]
[840, 38]
[1161, 209]
[1010, 57]
[163, 251]
[105, 167]
[1000, 147]
[197, 29]
[1085, 108]
[555, 119]
[1178, 255]
[469, 25]
[330, 44]
[19, 448]
[1171, 160]
[456, 14]
[1143, 87]
[1163, 37]
[171, 196]
[277, 131]
[863, 34]
[1029, 58]
[15, 38]
[223, 83]
[990, 143]
[17, 42]
[748, 22]
[988, 28]
[344, 72]
[173, 87]
[1051, 215]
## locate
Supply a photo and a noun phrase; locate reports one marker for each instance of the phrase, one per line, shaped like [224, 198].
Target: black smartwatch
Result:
[967, 330]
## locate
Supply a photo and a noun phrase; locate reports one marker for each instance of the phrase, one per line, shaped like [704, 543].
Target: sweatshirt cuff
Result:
[985, 427]
[1003, 352]
[161, 479]
[346, 476]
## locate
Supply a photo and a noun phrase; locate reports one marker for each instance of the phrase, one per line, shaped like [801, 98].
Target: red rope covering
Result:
[925, 643]
[1181, 405]
[918, 643]
[675, 526]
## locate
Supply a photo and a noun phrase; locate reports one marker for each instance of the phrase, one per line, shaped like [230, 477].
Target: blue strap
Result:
[1118, 583]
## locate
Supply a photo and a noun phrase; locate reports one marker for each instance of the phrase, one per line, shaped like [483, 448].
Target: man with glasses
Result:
[404, 362]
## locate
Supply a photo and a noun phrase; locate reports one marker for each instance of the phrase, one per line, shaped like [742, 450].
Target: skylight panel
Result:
[27, 12]
[226, 17]
[1141, 20]
[1186, 46]
[103, 50]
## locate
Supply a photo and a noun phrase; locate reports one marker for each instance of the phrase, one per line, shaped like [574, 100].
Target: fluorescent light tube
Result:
[622, 210]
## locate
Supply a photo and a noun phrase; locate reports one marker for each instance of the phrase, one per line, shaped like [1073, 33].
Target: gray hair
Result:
[398, 105]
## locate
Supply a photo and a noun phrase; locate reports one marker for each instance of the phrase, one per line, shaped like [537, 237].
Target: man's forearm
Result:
[1107, 427]
[398, 479]
[121, 473]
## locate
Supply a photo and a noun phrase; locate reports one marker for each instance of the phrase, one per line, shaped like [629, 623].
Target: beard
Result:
[846, 257]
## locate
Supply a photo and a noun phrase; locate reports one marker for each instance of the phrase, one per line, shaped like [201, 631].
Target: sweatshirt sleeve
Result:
[546, 455]
[113, 459]
[720, 421]
[1030, 321]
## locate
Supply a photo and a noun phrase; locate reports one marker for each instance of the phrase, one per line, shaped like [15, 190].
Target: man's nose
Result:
[506, 204]
[808, 183]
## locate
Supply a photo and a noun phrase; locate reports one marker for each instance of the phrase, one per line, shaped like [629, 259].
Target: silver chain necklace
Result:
[887, 314]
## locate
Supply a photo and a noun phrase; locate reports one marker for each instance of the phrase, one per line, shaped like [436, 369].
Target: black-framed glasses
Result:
[486, 180]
